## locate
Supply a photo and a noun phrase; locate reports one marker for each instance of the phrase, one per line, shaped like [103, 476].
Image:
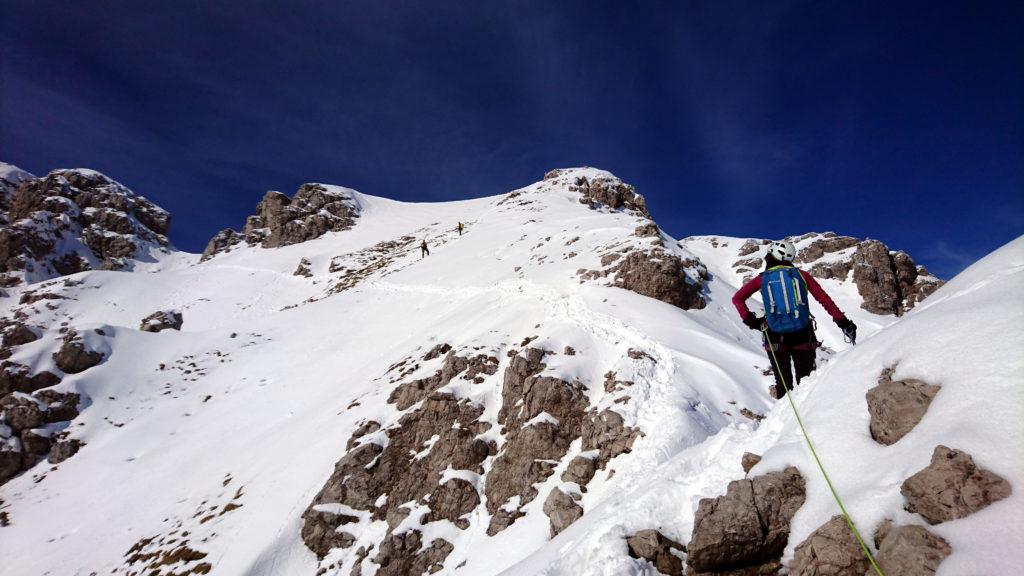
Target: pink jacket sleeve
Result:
[819, 294]
[739, 300]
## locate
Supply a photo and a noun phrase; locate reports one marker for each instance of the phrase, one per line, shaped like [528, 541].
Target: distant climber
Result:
[459, 228]
[788, 328]
[424, 251]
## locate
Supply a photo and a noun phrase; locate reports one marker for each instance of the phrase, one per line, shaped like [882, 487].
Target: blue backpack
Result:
[784, 293]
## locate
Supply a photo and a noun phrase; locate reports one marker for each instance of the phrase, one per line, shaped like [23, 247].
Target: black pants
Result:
[802, 362]
[795, 354]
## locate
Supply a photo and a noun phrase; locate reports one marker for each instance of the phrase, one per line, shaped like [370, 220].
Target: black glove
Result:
[753, 322]
[848, 327]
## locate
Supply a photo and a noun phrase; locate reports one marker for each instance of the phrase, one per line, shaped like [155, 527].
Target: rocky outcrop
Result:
[471, 368]
[831, 550]
[562, 510]
[655, 273]
[606, 435]
[387, 469]
[952, 487]
[280, 221]
[908, 550]
[74, 356]
[661, 551]
[15, 378]
[162, 320]
[889, 283]
[25, 438]
[748, 527]
[17, 333]
[75, 220]
[896, 406]
[602, 190]
[541, 416]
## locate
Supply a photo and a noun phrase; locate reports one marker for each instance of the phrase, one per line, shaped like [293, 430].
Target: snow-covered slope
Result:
[212, 448]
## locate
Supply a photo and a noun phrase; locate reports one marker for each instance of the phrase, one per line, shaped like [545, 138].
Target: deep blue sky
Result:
[899, 122]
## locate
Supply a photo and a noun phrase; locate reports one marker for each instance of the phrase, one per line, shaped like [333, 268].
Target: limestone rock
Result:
[73, 355]
[22, 412]
[747, 527]
[607, 433]
[952, 487]
[748, 461]
[580, 470]
[15, 377]
[281, 221]
[162, 320]
[908, 551]
[74, 220]
[606, 191]
[831, 550]
[452, 500]
[60, 406]
[561, 510]
[64, 449]
[17, 334]
[658, 274]
[401, 554]
[897, 406]
[656, 548]
[889, 283]
[530, 450]
[10, 455]
[409, 393]
[320, 531]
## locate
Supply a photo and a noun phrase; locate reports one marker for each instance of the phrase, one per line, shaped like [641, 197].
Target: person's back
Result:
[787, 326]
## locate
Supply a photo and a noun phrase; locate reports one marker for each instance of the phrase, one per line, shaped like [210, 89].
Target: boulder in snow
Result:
[831, 550]
[561, 509]
[748, 527]
[73, 356]
[15, 377]
[952, 487]
[659, 550]
[162, 320]
[896, 406]
[23, 412]
[908, 550]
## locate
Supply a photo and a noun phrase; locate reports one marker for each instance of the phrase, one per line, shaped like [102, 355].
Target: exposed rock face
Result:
[73, 355]
[531, 451]
[908, 550]
[607, 434]
[471, 369]
[161, 320]
[10, 454]
[952, 487]
[581, 471]
[897, 406]
[15, 378]
[747, 527]
[63, 450]
[889, 283]
[657, 549]
[655, 273]
[562, 510]
[831, 550]
[605, 191]
[22, 412]
[75, 220]
[279, 221]
[442, 433]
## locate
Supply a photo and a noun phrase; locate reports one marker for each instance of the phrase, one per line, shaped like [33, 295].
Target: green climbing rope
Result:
[799, 420]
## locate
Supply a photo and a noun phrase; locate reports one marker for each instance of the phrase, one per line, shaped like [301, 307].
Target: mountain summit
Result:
[559, 388]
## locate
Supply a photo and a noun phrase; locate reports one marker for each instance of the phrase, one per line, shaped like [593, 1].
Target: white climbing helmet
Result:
[782, 250]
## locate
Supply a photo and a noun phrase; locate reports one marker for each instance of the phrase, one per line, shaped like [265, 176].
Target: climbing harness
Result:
[799, 420]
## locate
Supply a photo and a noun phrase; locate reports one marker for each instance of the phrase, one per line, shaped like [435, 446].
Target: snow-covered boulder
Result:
[162, 320]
